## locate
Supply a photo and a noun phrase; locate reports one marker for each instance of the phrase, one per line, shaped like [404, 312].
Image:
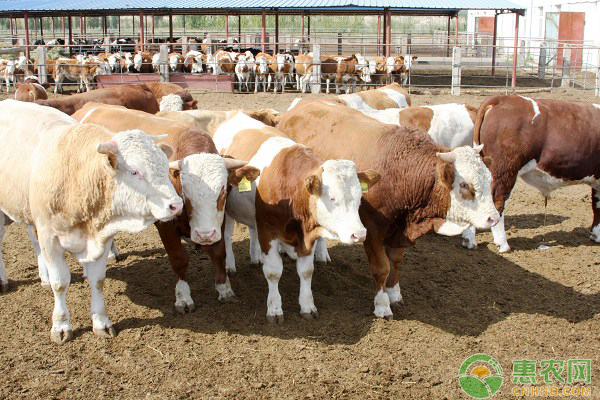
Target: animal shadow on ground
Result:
[459, 291]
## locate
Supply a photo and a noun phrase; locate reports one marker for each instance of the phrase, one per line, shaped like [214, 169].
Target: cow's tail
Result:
[481, 113]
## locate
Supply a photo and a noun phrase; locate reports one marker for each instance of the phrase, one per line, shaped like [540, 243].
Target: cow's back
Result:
[562, 137]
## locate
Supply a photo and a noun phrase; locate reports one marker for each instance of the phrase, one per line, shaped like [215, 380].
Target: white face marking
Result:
[203, 179]
[171, 102]
[470, 170]
[451, 125]
[595, 234]
[224, 134]
[142, 185]
[337, 208]
[536, 108]
[397, 97]
[597, 106]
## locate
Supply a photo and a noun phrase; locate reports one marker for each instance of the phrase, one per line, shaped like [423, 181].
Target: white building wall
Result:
[533, 24]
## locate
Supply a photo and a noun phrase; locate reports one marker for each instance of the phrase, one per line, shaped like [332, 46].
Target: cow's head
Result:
[263, 66]
[466, 176]
[138, 60]
[141, 176]
[335, 195]
[173, 61]
[204, 180]
[281, 61]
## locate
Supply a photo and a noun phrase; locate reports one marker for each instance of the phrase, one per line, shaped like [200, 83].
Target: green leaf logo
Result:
[480, 376]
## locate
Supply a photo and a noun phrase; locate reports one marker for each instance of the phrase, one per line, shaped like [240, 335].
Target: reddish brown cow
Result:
[31, 91]
[137, 97]
[161, 89]
[424, 187]
[548, 143]
[200, 176]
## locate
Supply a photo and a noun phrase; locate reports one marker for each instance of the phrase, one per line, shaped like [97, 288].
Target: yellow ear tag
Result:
[244, 185]
[364, 187]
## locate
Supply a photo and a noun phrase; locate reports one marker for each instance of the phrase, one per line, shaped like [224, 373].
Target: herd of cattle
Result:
[253, 70]
[365, 167]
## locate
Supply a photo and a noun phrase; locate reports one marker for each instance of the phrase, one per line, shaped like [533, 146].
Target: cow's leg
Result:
[58, 84]
[42, 267]
[305, 267]
[501, 190]
[595, 234]
[273, 268]
[380, 268]
[255, 253]
[179, 260]
[60, 277]
[3, 277]
[284, 82]
[256, 84]
[227, 237]
[298, 83]
[216, 252]
[468, 238]
[392, 288]
[321, 253]
[96, 273]
[328, 81]
[114, 253]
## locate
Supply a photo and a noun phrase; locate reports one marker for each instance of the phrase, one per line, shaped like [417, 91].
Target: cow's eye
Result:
[332, 199]
[464, 185]
[136, 173]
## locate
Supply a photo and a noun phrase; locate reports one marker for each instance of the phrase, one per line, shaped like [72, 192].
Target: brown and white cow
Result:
[390, 96]
[209, 120]
[280, 69]
[79, 185]
[297, 199]
[31, 91]
[137, 97]
[425, 188]
[200, 175]
[548, 143]
[75, 71]
[263, 72]
[142, 62]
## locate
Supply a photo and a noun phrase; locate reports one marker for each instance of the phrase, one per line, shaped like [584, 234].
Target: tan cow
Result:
[31, 91]
[74, 71]
[390, 96]
[79, 185]
[161, 89]
[263, 71]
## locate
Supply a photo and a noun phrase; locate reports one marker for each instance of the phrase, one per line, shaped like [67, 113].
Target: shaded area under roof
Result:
[97, 7]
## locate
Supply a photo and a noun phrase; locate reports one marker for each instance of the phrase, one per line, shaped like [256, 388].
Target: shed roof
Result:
[221, 6]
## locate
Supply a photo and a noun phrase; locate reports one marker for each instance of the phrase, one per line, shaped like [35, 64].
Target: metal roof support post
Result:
[63, 26]
[41, 62]
[378, 34]
[302, 24]
[456, 71]
[456, 39]
[26, 20]
[448, 41]
[263, 36]
[388, 47]
[10, 21]
[227, 27]
[142, 38]
[119, 25]
[163, 63]
[308, 28]
[81, 26]
[133, 25]
[384, 34]
[494, 40]
[153, 22]
[276, 31]
[53, 28]
[515, 48]
[70, 36]
[597, 91]
[85, 25]
[171, 31]
[315, 79]
[240, 28]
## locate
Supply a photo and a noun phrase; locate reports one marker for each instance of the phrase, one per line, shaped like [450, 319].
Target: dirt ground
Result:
[530, 303]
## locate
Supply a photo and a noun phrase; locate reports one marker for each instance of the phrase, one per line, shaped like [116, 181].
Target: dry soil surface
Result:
[530, 303]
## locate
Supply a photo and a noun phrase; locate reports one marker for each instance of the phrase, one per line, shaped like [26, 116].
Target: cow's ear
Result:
[368, 176]
[168, 150]
[487, 160]
[313, 184]
[448, 157]
[232, 164]
[414, 58]
[401, 58]
[247, 171]
[445, 173]
[109, 147]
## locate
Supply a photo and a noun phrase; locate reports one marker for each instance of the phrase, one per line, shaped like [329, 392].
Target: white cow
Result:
[79, 185]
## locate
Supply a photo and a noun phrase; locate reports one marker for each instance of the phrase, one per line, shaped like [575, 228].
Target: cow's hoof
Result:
[3, 287]
[275, 319]
[505, 248]
[120, 257]
[313, 314]
[108, 332]
[231, 270]
[45, 284]
[61, 336]
[184, 308]
[229, 299]
[467, 244]
[595, 237]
